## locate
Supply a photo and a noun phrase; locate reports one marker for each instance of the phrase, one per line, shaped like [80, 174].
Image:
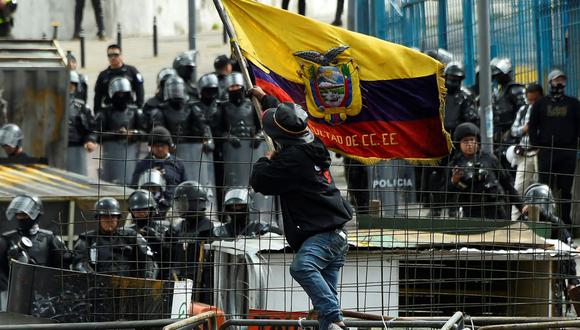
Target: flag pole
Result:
[241, 61]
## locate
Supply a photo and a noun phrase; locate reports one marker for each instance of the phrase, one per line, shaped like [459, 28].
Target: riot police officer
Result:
[193, 140]
[189, 259]
[111, 249]
[29, 243]
[11, 142]
[119, 125]
[117, 68]
[242, 132]
[483, 186]
[82, 86]
[148, 222]
[185, 66]
[7, 9]
[459, 105]
[508, 99]
[156, 101]
[81, 126]
[238, 218]
[162, 160]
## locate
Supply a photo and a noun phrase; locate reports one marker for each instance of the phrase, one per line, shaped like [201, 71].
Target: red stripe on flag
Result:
[421, 138]
[274, 90]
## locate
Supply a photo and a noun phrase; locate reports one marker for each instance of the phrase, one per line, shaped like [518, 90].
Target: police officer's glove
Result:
[258, 139]
[234, 141]
[208, 146]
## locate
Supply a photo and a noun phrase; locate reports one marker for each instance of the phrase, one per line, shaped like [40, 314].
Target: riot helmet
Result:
[174, 92]
[190, 199]
[26, 209]
[287, 124]
[142, 201]
[237, 207]
[107, 206]
[185, 65]
[153, 181]
[234, 84]
[454, 74]
[208, 86]
[441, 55]
[501, 70]
[163, 75]
[108, 212]
[541, 195]
[11, 135]
[120, 92]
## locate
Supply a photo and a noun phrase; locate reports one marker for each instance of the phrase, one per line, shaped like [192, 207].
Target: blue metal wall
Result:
[537, 35]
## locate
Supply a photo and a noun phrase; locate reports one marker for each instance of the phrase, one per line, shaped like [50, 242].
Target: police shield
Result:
[199, 167]
[393, 184]
[118, 163]
[238, 163]
[76, 160]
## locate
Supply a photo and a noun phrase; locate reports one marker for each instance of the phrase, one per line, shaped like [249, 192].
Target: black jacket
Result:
[555, 123]
[311, 203]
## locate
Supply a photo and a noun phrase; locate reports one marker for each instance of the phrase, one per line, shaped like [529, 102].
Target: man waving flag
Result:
[366, 98]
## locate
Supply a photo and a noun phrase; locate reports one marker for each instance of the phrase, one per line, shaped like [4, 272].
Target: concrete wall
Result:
[33, 17]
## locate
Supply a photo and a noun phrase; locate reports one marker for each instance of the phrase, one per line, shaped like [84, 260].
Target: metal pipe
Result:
[314, 323]
[71, 224]
[82, 41]
[485, 76]
[93, 325]
[194, 321]
[119, 40]
[535, 325]
[191, 32]
[155, 36]
[55, 32]
[456, 321]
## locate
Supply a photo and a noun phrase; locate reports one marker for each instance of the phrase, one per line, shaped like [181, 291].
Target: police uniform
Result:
[105, 77]
[81, 126]
[6, 19]
[122, 253]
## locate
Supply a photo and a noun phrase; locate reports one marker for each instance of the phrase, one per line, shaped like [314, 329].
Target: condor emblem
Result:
[332, 84]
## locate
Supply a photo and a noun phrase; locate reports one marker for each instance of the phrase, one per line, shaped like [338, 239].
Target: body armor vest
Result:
[240, 120]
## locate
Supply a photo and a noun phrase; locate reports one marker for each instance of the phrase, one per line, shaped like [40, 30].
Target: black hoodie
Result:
[311, 203]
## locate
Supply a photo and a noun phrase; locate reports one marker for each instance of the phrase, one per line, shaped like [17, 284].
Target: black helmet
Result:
[464, 130]
[163, 75]
[454, 69]
[185, 65]
[11, 135]
[189, 197]
[287, 124]
[160, 135]
[541, 195]
[141, 200]
[107, 206]
[28, 204]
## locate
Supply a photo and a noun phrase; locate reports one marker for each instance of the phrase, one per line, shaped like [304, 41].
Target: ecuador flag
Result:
[366, 98]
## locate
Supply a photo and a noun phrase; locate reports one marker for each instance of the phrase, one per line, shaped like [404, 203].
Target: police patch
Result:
[332, 84]
[139, 77]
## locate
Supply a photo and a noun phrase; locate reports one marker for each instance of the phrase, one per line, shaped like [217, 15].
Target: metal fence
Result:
[537, 35]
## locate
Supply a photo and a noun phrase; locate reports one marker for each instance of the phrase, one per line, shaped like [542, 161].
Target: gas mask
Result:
[120, 100]
[25, 225]
[176, 104]
[452, 85]
[557, 91]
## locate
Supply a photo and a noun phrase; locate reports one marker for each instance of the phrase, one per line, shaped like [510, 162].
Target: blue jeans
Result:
[316, 267]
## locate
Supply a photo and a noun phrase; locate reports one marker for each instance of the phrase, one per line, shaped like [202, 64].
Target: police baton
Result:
[243, 66]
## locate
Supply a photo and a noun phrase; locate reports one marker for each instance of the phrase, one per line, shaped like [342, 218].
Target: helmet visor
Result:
[184, 205]
[22, 204]
[9, 138]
